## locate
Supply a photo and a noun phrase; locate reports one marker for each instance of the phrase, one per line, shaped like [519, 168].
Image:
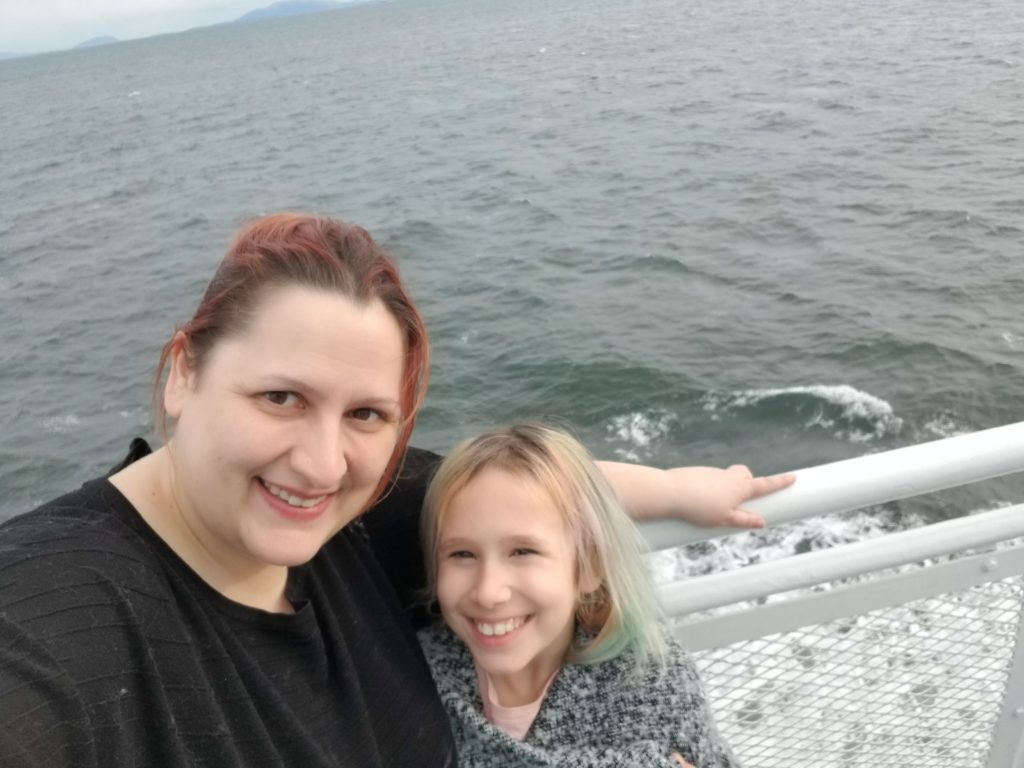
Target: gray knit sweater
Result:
[594, 716]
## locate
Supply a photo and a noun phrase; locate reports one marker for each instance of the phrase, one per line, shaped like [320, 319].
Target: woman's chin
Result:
[285, 549]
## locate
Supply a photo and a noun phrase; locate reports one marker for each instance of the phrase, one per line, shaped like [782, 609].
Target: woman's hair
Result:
[300, 249]
[622, 612]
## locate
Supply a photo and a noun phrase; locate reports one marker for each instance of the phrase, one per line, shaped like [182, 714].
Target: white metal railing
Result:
[863, 654]
[869, 480]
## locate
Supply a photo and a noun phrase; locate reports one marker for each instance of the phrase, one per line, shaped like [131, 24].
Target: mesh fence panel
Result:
[912, 686]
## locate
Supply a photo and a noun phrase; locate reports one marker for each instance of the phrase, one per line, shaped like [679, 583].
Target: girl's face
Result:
[283, 434]
[506, 581]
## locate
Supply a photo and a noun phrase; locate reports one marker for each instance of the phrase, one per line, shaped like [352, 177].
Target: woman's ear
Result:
[180, 377]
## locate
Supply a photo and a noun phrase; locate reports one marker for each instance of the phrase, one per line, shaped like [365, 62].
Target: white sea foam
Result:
[639, 432]
[140, 415]
[61, 424]
[849, 413]
[944, 425]
[768, 544]
[1012, 339]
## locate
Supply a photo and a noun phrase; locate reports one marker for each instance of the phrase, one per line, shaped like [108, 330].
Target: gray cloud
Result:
[44, 25]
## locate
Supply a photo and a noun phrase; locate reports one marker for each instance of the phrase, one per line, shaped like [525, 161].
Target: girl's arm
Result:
[697, 740]
[704, 496]
[641, 754]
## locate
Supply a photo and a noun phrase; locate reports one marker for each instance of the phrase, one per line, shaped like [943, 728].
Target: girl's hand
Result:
[679, 759]
[704, 496]
[712, 497]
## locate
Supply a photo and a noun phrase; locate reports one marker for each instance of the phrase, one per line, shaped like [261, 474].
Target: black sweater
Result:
[113, 652]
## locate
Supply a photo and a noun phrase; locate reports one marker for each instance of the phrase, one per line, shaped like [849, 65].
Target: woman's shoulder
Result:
[96, 514]
[77, 543]
[85, 512]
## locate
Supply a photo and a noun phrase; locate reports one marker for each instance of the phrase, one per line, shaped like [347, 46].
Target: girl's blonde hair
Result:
[622, 613]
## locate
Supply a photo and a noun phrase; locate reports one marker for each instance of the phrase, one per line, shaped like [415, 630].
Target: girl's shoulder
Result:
[679, 676]
[672, 675]
[449, 659]
[437, 641]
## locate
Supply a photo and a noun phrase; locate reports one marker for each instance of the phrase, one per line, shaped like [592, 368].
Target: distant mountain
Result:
[9, 55]
[94, 41]
[289, 8]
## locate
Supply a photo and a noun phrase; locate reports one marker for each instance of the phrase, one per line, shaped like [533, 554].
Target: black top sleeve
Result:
[42, 720]
[392, 526]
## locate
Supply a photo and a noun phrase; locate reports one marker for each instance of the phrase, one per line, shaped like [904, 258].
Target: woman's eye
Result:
[280, 398]
[520, 551]
[367, 414]
[460, 554]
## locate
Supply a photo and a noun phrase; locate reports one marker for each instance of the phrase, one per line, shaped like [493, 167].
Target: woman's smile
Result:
[294, 507]
[293, 498]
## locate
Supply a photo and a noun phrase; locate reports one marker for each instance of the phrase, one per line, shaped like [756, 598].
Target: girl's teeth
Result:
[501, 628]
[294, 501]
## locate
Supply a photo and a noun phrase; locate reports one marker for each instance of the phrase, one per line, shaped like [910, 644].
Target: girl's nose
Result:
[492, 587]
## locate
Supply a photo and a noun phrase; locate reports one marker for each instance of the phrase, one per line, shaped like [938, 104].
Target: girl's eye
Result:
[520, 551]
[460, 554]
[281, 398]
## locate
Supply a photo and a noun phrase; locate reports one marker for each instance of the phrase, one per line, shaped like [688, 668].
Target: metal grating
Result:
[913, 686]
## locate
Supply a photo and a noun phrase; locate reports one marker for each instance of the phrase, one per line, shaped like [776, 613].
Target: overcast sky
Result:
[28, 26]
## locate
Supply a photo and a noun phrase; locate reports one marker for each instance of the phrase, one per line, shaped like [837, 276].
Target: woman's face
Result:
[284, 433]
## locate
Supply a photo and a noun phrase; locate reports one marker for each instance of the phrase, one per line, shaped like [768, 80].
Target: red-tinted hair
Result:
[315, 252]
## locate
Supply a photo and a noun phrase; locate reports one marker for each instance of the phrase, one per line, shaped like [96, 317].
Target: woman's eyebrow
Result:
[281, 381]
[284, 381]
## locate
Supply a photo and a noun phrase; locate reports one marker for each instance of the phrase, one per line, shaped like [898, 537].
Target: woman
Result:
[210, 603]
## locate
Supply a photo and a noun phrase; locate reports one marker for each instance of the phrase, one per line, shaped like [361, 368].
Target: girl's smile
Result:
[506, 580]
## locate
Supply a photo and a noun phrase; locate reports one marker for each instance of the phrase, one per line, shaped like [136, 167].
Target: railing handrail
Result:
[873, 479]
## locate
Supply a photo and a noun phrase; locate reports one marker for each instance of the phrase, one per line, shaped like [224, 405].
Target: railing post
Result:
[1008, 736]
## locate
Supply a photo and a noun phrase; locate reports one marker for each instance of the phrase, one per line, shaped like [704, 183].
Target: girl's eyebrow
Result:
[515, 540]
[532, 541]
[457, 542]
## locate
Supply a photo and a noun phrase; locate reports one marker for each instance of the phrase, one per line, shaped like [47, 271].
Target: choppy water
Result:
[704, 232]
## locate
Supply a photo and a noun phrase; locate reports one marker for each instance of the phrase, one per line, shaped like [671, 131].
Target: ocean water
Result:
[700, 233]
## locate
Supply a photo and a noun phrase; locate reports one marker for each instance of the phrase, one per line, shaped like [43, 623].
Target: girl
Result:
[552, 654]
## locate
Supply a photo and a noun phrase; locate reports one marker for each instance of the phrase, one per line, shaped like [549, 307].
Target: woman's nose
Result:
[321, 454]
